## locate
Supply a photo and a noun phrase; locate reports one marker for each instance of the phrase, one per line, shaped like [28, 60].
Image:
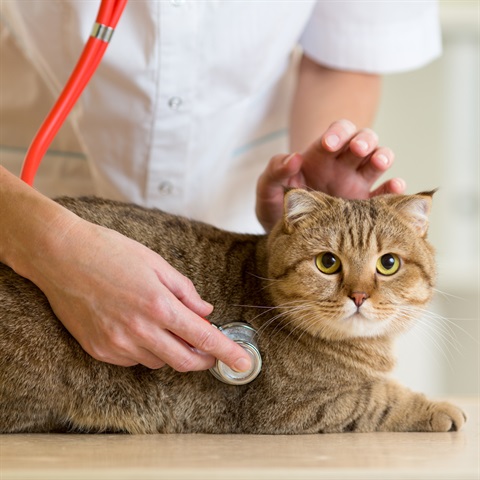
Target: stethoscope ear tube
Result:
[108, 15]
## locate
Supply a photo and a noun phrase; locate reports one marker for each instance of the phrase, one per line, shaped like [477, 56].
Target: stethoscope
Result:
[108, 16]
[246, 336]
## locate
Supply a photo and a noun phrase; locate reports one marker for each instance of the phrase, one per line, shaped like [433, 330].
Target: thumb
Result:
[281, 171]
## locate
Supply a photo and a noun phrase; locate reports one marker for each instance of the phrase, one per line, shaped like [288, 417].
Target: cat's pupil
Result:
[387, 261]
[329, 260]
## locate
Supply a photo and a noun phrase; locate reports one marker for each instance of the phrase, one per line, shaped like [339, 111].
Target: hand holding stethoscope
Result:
[106, 21]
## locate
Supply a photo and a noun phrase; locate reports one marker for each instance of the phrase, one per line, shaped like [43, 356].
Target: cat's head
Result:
[351, 268]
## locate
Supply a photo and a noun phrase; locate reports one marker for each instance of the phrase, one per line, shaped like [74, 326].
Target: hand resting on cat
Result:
[328, 290]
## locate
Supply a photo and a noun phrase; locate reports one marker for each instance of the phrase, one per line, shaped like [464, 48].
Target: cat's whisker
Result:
[283, 305]
[262, 278]
[442, 330]
[447, 295]
[439, 333]
[428, 330]
[308, 321]
[440, 319]
[288, 314]
[289, 309]
[267, 281]
[269, 322]
[267, 309]
[305, 323]
[440, 344]
[298, 326]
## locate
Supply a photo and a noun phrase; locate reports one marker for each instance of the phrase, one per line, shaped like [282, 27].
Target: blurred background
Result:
[430, 118]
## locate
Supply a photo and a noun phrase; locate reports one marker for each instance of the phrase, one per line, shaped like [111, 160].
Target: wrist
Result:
[31, 226]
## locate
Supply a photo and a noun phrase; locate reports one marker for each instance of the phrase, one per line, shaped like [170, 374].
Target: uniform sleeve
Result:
[385, 36]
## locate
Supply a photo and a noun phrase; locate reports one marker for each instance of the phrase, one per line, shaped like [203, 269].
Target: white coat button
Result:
[166, 188]
[175, 103]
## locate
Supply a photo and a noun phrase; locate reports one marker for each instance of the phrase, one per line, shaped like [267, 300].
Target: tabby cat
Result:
[328, 290]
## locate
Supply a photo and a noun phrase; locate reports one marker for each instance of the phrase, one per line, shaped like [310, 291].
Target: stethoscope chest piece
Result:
[244, 335]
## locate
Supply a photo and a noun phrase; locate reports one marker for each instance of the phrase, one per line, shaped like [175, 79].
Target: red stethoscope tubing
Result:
[108, 15]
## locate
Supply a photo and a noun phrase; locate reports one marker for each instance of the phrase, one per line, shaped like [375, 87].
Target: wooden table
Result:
[415, 456]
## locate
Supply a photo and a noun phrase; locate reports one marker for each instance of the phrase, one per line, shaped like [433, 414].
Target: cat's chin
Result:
[351, 326]
[358, 325]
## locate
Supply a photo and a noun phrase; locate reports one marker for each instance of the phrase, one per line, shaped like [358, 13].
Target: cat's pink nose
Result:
[358, 298]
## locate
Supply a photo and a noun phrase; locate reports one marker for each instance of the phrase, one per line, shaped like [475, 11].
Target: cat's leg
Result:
[403, 410]
[389, 407]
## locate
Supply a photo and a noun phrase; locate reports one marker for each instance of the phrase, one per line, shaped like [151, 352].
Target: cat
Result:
[328, 290]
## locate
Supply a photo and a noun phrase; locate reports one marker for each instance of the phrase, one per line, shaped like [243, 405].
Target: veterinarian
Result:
[190, 102]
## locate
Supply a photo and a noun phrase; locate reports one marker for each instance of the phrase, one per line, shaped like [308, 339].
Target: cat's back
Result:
[181, 241]
[154, 228]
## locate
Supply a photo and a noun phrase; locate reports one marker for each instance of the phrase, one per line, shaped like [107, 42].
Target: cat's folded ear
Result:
[299, 204]
[415, 209]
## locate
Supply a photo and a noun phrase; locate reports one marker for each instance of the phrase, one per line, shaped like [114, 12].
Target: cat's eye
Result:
[388, 264]
[328, 263]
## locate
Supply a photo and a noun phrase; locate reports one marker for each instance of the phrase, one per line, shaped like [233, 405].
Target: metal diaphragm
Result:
[245, 336]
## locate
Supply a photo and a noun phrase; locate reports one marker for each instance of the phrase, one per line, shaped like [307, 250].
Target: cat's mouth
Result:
[358, 317]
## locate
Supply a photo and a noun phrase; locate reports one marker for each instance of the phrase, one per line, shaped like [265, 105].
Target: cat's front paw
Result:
[446, 417]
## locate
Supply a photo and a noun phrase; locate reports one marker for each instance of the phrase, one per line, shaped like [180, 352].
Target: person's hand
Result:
[121, 301]
[126, 305]
[343, 162]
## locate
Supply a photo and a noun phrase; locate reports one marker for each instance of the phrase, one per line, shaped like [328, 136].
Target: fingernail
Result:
[242, 365]
[399, 184]
[287, 160]
[332, 141]
[383, 159]
[363, 145]
[208, 306]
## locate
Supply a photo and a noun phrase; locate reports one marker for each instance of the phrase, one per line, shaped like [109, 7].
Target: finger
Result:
[119, 349]
[364, 143]
[395, 186]
[179, 319]
[183, 289]
[149, 360]
[337, 135]
[279, 172]
[156, 346]
[121, 361]
[208, 339]
[380, 161]
[180, 356]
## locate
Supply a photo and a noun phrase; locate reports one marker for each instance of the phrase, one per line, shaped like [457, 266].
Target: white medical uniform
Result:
[192, 97]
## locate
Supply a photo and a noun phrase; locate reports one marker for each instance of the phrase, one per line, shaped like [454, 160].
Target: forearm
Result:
[29, 225]
[324, 95]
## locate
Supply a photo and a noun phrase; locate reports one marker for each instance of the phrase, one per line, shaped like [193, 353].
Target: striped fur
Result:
[326, 360]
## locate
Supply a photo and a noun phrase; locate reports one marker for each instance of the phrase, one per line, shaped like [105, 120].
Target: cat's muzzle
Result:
[245, 336]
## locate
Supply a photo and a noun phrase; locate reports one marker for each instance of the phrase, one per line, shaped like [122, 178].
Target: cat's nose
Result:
[358, 298]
